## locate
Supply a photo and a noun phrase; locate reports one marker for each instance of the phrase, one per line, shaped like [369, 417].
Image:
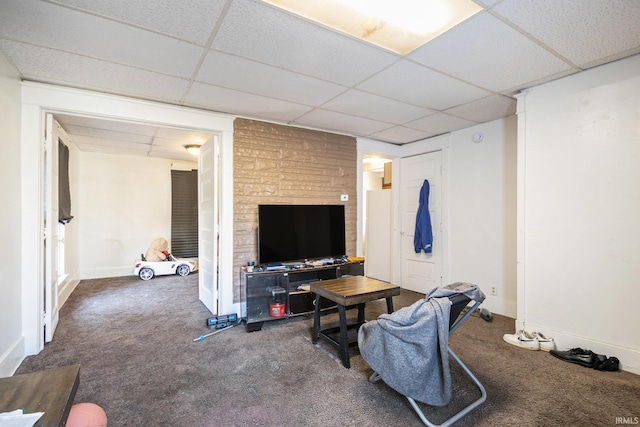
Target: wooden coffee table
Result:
[51, 391]
[352, 291]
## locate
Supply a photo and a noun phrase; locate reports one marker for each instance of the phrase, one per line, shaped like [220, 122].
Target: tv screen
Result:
[300, 232]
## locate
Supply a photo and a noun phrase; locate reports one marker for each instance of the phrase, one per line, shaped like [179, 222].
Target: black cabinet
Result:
[273, 295]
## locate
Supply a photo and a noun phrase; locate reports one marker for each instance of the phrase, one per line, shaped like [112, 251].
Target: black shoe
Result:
[585, 358]
[611, 364]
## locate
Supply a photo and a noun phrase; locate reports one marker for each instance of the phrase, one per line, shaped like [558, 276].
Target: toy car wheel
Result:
[145, 273]
[183, 270]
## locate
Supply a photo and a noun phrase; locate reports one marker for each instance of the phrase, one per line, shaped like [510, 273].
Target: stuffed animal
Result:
[158, 251]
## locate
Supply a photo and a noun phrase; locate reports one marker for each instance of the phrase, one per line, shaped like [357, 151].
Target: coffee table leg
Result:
[361, 313]
[316, 321]
[389, 305]
[344, 341]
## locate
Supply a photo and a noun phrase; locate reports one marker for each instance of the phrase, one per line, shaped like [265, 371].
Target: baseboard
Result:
[68, 286]
[12, 358]
[101, 273]
[629, 358]
[500, 306]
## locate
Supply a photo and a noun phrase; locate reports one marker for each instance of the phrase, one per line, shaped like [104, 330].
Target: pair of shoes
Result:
[533, 341]
[546, 344]
[586, 358]
[522, 339]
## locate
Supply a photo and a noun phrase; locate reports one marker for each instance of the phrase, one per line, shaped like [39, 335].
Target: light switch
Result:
[344, 197]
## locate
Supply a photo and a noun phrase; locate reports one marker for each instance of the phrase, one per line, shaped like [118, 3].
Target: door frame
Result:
[38, 99]
[439, 143]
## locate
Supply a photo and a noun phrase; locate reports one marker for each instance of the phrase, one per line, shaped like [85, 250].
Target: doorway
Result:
[37, 99]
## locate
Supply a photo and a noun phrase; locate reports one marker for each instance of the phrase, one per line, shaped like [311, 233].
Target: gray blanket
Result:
[408, 348]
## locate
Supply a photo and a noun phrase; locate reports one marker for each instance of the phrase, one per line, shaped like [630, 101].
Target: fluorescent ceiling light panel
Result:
[399, 25]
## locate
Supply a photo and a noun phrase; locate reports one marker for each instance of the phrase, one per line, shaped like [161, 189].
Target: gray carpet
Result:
[134, 341]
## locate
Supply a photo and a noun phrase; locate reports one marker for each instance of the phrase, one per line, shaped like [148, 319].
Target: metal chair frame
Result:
[483, 393]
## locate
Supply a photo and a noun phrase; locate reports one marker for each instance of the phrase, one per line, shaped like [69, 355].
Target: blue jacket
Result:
[423, 236]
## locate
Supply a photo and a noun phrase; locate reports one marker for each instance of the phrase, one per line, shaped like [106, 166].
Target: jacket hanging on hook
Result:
[423, 236]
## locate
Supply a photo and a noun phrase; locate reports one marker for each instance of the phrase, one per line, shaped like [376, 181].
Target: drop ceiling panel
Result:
[192, 20]
[440, 123]
[174, 153]
[249, 76]
[108, 125]
[244, 104]
[89, 143]
[45, 24]
[369, 106]
[471, 50]
[105, 134]
[583, 31]
[485, 109]
[184, 136]
[427, 88]
[48, 65]
[324, 119]
[401, 135]
[257, 31]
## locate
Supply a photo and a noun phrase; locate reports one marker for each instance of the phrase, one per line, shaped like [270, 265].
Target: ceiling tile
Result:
[182, 135]
[401, 135]
[583, 31]
[244, 104]
[485, 109]
[105, 134]
[229, 71]
[89, 143]
[440, 123]
[254, 30]
[192, 20]
[45, 24]
[48, 65]
[369, 106]
[428, 88]
[324, 119]
[85, 124]
[174, 153]
[472, 49]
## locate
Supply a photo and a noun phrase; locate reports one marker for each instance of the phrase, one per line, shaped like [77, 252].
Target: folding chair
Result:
[458, 303]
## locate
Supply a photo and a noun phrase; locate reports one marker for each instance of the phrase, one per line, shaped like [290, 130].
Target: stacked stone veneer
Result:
[275, 164]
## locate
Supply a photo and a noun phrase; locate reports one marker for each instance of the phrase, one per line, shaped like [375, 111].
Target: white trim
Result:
[520, 316]
[12, 358]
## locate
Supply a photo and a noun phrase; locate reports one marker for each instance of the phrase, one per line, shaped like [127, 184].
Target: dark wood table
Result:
[50, 391]
[352, 291]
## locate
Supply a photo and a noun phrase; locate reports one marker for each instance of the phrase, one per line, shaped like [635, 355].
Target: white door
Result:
[50, 227]
[421, 272]
[208, 220]
[378, 235]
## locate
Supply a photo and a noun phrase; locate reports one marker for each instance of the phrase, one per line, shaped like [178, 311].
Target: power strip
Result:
[222, 321]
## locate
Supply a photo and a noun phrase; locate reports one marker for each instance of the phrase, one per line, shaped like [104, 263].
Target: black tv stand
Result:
[262, 287]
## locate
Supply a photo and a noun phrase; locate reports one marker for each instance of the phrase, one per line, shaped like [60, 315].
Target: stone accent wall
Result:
[276, 164]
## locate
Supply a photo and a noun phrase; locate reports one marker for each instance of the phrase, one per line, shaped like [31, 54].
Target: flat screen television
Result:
[289, 233]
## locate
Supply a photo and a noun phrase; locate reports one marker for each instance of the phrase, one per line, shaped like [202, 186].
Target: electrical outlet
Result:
[494, 290]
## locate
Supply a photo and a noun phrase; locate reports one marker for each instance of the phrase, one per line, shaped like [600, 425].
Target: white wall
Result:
[123, 204]
[579, 210]
[479, 208]
[482, 211]
[11, 340]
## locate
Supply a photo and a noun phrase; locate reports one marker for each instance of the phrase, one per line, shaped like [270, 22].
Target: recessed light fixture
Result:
[399, 26]
[192, 149]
